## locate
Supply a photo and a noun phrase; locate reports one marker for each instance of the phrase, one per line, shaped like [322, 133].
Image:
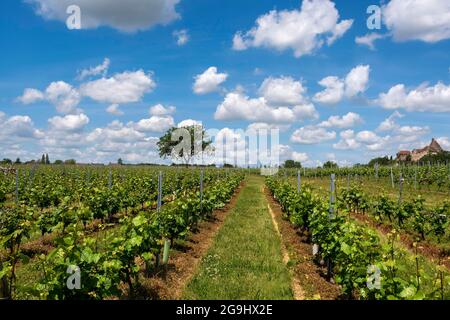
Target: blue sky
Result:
[289, 53]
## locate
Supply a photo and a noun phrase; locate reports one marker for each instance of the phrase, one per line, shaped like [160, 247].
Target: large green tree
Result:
[184, 144]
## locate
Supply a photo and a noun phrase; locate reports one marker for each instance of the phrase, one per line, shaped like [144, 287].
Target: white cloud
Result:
[421, 99]
[209, 81]
[95, 71]
[335, 88]
[390, 124]
[123, 87]
[189, 123]
[299, 156]
[367, 137]
[333, 93]
[444, 142]
[17, 128]
[181, 36]
[284, 91]
[347, 141]
[349, 120]
[115, 132]
[31, 96]
[357, 80]
[237, 106]
[69, 123]
[369, 39]
[65, 97]
[304, 31]
[114, 109]
[160, 110]
[424, 20]
[155, 124]
[312, 135]
[126, 16]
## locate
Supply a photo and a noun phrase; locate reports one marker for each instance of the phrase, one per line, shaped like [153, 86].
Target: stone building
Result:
[417, 154]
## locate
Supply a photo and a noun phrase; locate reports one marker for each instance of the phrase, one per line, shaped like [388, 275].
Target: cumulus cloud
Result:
[123, 87]
[299, 156]
[114, 109]
[284, 91]
[421, 99]
[312, 135]
[189, 123]
[369, 39]
[347, 141]
[31, 96]
[237, 106]
[95, 71]
[390, 123]
[209, 81]
[181, 36]
[125, 16]
[349, 120]
[336, 89]
[155, 124]
[69, 123]
[424, 20]
[304, 31]
[444, 142]
[160, 110]
[17, 128]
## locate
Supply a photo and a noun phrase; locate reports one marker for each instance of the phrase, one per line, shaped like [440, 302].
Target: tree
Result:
[18, 161]
[43, 159]
[58, 162]
[70, 161]
[120, 162]
[292, 164]
[382, 161]
[330, 165]
[6, 161]
[172, 143]
[47, 160]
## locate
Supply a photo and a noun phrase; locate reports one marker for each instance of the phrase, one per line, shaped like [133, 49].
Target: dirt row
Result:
[305, 271]
[426, 249]
[168, 283]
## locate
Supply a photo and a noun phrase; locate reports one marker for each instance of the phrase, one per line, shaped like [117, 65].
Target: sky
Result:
[341, 80]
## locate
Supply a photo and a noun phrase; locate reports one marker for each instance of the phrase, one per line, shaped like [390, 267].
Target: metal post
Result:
[201, 191]
[400, 189]
[299, 182]
[392, 179]
[110, 179]
[159, 191]
[17, 186]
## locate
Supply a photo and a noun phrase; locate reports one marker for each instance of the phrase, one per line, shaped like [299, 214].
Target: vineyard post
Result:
[201, 191]
[110, 179]
[17, 186]
[299, 182]
[415, 177]
[392, 179]
[331, 217]
[400, 189]
[376, 170]
[159, 191]
[348, 180]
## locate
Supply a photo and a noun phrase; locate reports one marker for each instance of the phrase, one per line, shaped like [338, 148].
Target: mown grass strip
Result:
[245, 260]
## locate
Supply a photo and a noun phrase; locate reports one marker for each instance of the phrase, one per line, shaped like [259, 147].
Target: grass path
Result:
[245, 260]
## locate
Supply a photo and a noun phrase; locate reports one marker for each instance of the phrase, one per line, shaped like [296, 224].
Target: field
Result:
[138, 232]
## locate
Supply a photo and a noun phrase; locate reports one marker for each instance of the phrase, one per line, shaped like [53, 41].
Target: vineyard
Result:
[115, 225]
[364, 233]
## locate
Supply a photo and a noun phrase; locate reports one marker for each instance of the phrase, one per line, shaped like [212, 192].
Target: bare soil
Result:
[308, 275]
